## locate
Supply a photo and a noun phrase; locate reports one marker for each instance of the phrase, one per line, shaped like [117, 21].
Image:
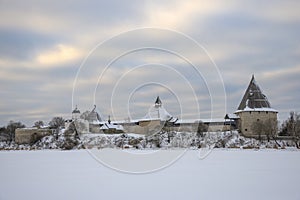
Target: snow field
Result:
[224, 174]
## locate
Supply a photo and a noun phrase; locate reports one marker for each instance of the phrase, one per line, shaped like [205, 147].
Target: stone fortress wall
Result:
[30, 135]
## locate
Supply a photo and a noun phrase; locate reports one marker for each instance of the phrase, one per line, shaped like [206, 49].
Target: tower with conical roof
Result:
[158, 112]
[254, 107]
[75, 113]
[158, 102]
[253, 97]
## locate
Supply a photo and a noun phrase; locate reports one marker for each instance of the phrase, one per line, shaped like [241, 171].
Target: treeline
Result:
[291, 128]
[270, 129]
[7, 133]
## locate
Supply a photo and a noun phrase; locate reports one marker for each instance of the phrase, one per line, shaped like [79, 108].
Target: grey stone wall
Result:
[30, 135]
[247, 118]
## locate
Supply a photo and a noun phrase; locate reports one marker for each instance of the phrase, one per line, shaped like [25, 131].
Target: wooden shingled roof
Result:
[253, 97]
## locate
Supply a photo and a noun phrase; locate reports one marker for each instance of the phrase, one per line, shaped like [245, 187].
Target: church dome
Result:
[76, 111]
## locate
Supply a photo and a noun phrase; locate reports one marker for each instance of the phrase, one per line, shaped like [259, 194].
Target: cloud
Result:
[19, 44]
[278, 11]
[177, 14]
[60, 54]
[281, 73]
[43, 43]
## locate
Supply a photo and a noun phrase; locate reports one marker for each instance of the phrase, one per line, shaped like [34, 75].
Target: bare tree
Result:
[38, 124]
[258, 128]
[4, 136]
[270, 129]
[294, 127]
[291, 127]
[11, 128]
[201, 129]
[57, 122]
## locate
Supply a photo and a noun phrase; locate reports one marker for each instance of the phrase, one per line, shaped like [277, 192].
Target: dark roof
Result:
[253, 97]
[158, 101]
[93, 115]
[76, 110]
[231, 116]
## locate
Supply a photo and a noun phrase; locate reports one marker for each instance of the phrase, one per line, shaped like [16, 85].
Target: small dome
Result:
[76, 110]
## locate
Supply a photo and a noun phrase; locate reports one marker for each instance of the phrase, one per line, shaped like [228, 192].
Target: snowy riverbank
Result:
[160, 141]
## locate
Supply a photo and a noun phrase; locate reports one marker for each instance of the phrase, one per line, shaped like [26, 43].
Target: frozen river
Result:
[224, 174]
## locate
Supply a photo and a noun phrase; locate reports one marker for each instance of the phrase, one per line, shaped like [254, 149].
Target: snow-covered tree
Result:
[81, 127]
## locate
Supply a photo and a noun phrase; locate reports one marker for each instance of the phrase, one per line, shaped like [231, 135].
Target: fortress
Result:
[254, 108]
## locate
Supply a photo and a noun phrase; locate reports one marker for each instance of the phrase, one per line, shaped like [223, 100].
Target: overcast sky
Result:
[202, 57]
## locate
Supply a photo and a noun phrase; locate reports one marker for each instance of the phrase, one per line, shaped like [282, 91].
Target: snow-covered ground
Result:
[224, 174]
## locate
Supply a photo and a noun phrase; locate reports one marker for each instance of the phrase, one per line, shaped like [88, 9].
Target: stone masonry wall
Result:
[30, 135]
[247, 118]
